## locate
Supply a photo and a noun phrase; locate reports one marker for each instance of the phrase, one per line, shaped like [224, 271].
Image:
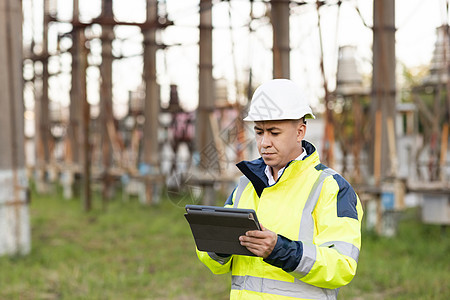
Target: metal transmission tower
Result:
[383, 88]
[14, 219]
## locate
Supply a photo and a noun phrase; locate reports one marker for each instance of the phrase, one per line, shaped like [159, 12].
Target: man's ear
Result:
[301, 131]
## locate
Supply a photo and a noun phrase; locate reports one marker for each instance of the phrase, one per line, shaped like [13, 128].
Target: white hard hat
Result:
[279, 99]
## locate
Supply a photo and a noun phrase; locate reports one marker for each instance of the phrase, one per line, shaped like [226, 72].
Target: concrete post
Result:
[14, 218]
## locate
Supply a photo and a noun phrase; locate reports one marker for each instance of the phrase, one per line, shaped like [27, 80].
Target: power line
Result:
[410, 15]
[361, 17]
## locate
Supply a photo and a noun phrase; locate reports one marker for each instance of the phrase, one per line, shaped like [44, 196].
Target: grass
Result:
[135, 252]
[126, 252]
[415, 264]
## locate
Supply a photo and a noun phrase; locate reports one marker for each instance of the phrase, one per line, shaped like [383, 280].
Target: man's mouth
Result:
[267, 154]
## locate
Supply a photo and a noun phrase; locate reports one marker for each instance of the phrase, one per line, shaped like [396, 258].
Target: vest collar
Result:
[254, 170]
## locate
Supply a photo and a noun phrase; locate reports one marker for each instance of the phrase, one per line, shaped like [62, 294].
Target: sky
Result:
[235, 50]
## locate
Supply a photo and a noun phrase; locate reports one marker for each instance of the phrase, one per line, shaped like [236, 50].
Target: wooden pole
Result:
[444, 145]
[220, 147]
[444, 73]
[383, 95]
[280, 26]
[42, 107]
[328, 139]
[377, 149]
[73, 151]
[106, 112]
[205, 141]
[85, 148]
[392, 147]
[206, 83]
[45, 120]
[75, 102]
[356, 147]
[383, 82]
[152, 98]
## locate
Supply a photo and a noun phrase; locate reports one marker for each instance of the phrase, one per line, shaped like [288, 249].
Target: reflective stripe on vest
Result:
[307, 222]
[306, 234]
[243, 181]
[343, 248]
[307, 261]
[309, 254]
[296, 289]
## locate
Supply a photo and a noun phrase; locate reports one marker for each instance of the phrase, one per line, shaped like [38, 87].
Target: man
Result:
[310, 215]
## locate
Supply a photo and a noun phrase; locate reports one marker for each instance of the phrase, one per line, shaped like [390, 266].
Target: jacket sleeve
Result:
[216, 262]
[330, 260]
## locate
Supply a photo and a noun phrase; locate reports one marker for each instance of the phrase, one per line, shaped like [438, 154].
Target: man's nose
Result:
[266, 141]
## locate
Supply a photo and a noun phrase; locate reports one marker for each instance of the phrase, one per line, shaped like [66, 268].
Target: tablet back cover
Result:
[219, 232]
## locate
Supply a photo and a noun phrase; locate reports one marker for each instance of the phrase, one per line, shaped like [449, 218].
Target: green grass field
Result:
[135, 252]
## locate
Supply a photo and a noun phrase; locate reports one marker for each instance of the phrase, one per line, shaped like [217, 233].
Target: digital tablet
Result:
[217, 229]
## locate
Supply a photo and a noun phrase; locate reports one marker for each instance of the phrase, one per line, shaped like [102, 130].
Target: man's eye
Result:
[259, 132]
[275, 133]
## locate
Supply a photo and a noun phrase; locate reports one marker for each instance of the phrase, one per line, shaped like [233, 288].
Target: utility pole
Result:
[208, 157]
[75, 107]
[73, 153]
[14, 221]
[85, 156]
[42, 108]
[445, 130]
[383, 87]
[106, 111]
[328, 138]
[280, 28]
[152, 98]
[80, 111]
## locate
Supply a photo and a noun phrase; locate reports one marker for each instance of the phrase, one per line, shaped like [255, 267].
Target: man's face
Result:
[279, 142]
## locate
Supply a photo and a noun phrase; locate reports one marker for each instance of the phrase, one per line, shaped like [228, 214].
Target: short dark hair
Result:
[302, 120]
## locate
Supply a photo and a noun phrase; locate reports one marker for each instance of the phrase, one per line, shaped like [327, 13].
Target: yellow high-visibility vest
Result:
[309, 203]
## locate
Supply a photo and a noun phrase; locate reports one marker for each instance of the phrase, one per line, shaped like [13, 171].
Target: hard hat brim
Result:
[251, 118]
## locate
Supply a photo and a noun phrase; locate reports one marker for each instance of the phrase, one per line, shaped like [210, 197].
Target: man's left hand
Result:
[259, 242]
